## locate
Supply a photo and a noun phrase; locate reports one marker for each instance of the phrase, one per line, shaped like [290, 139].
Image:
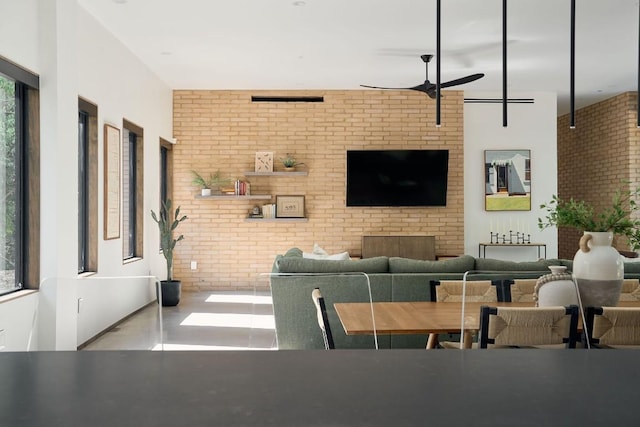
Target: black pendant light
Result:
[572, 88]
[504, 63]
[638, 85]
[438, 60]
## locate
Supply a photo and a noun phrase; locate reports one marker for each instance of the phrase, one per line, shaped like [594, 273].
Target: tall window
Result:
[9, 221]
[132, 190]
[19, 119]
[87, 187]
[83, 208]
[166, 167]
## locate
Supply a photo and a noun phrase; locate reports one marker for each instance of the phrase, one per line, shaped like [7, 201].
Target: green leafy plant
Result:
[289, 161]
[617, 218]
[167, 226]
[212, 181]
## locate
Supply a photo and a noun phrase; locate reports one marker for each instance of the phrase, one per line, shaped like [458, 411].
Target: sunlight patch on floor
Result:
[245, 299]
[230, 320]
[191, 347]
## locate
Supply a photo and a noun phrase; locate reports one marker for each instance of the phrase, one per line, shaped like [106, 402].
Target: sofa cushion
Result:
[456, 265]
[306, 265]
[489, 264]
[631, 267]
[295, 252]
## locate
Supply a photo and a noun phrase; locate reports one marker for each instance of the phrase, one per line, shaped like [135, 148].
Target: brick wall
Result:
[595, 157]
[222, 130]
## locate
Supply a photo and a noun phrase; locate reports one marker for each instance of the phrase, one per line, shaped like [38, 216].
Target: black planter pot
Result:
[171, 290]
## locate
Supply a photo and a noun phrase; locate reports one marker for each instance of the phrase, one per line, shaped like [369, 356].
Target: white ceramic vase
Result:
[556, 288]
[205, 192]
[598, 269]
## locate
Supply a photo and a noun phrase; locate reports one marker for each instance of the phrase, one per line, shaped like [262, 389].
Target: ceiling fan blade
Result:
[391, 88]
[420, 88]
[462, 80]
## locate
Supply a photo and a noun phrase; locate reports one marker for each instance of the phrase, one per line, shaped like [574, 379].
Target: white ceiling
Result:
[340, 44]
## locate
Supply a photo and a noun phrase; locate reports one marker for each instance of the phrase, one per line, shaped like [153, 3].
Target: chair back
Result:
[630, 290]
[528, 326]
[476, 290]
[519, 290]
[613, 326]
[323, 320]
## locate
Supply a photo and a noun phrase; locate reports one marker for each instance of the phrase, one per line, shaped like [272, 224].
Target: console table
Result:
[320, 388]
[482, 247]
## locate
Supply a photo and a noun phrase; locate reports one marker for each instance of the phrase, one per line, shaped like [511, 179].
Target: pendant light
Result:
[438, 57]
[572, 56]
[504, 63]
[638, 85]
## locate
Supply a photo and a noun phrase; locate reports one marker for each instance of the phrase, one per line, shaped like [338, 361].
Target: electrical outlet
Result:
[2, 339]
[194, 265]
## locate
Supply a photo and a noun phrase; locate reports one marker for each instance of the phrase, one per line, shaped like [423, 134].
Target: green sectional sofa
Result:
[391, 279]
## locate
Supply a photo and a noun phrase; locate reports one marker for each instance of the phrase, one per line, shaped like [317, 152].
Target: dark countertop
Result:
[320, 388]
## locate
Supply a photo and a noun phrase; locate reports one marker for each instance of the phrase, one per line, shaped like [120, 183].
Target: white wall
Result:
[75, 56]
[19, 32]
[530, 127]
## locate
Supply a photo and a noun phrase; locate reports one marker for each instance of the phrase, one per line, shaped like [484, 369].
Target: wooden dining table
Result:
[420, 318]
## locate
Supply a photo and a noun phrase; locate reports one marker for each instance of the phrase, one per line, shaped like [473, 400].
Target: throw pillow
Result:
[320, 253]
[335, 257]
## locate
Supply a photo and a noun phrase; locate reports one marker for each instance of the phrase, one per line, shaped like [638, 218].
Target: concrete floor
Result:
[221, 320]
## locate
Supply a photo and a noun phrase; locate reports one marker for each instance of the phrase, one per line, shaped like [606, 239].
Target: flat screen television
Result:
[397, 177]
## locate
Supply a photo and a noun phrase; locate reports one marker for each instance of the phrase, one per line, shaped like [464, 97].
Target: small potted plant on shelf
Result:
[290, 163]
[171, 289]
[214, 180]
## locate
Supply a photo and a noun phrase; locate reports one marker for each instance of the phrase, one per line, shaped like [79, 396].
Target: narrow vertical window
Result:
[83, 208]
[87, 186]
[132, 191]
[129, 193]
[9, 159]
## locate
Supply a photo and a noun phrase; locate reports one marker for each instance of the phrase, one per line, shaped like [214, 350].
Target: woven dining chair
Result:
[528, 326]
[630, 290]
[519, 290]
[613, 327]
[323, 320]
[476, 290]
[451, 291]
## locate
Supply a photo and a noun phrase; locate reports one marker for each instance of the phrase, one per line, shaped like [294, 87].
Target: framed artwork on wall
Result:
[507, 180]
[289, 206]
[111, 182]
[264, 161]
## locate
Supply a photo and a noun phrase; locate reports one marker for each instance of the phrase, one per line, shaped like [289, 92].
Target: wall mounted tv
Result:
[397, 177]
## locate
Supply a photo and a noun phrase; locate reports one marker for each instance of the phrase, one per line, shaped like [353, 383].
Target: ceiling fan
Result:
[430, 88]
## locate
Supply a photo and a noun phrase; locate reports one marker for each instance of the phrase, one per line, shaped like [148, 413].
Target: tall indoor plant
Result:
[171, 289]
[597, 267]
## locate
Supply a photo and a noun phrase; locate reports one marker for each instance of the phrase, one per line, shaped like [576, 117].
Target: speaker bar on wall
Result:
[504, 63]
[287, 99]
[572, 88]
[498, 100]
[438, 59]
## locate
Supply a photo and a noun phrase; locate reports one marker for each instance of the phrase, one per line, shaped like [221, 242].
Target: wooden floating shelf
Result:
[233, 197]
[276, 219]
[294, 173]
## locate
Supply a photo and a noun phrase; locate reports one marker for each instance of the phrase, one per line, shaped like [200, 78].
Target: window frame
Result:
[132, 242]
[27, 176]
[88, 184]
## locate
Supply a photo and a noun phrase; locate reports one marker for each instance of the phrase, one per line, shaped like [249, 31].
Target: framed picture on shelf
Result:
[289, 206]
[507, 180]
[264, 161]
